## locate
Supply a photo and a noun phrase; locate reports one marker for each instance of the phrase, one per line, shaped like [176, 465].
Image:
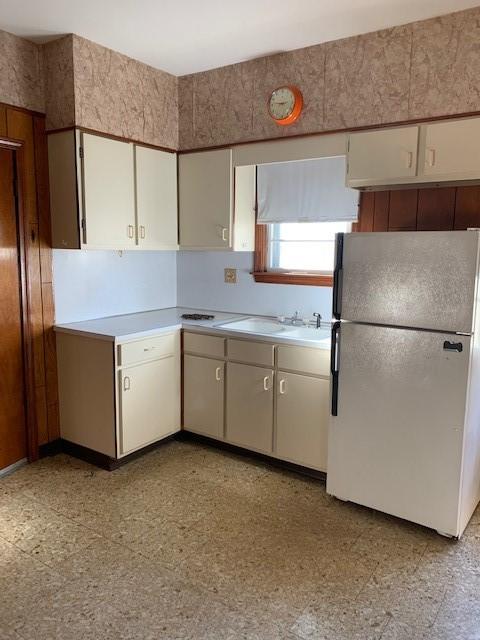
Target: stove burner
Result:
[197, 316]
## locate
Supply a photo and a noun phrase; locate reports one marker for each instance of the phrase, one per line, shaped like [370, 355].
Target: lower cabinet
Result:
[148, 403]
[203, 391]
[302, 407]
[250, 407]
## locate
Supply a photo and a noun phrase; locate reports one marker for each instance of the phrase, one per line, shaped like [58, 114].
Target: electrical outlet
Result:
[230, 276]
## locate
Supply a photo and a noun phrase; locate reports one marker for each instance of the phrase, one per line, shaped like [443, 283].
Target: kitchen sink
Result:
[273, 327]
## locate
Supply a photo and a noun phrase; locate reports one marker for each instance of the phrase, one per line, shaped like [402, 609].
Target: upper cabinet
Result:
[216, 204]
[451, 151]
[378, 157]
[434, 153]
[110, 194]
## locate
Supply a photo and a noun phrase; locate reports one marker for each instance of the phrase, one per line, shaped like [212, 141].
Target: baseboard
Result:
[232, 448]
[6, 471]
[50, 448]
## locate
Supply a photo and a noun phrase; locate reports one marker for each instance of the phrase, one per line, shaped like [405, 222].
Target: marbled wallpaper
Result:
[21, 73]
[59, 83]
[121, 96]
[419, 70]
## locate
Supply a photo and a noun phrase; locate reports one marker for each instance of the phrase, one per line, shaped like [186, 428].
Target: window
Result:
[307, 247]
[297, 252]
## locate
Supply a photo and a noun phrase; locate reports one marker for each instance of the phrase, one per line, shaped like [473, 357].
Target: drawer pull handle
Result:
[149, 348]
[217, 374]
[282, 387]
[130, 231]
[142, 232]
[126, 383]
[266, 383]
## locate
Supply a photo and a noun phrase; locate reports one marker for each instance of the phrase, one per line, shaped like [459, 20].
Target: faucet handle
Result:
[318, 316]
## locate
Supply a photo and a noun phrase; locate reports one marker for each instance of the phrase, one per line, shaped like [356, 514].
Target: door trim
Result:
[17, 147]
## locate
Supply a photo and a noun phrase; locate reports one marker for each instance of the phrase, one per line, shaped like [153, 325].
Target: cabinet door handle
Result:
[217, 374]
[142, 232]
[266, 383]
[126, 383]
[409, 159]
[282, 387]
[431, 157]
[224, 234]
[130, 230]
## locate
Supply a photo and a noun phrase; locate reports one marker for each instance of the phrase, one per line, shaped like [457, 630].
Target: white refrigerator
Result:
[404, 434]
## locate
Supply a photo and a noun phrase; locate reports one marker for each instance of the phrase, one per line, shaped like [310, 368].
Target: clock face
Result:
[285, 105]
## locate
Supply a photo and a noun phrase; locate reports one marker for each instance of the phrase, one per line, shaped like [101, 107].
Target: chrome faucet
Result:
[318, 316]
[295, 319]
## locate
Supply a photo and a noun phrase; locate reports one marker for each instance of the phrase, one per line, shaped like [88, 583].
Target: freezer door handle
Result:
[337, 277]
[334, 367]
[452, 346]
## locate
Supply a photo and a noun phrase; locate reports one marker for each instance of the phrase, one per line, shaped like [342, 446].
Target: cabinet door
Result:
[250, 407]
[205, 205]
[203, 385]
[451, 150]
[149, 403]
[382, 157]
[108, 192]
[156, 193]
[302, 413]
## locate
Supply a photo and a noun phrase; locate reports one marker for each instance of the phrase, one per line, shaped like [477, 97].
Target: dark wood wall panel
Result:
[436, 209]
[3, 121]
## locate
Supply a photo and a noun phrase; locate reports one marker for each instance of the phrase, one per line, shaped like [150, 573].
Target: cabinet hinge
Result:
[80, 152]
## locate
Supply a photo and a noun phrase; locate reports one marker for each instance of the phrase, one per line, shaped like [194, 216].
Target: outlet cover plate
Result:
[230, 276]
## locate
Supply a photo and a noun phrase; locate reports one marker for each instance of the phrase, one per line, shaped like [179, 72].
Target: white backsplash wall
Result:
[92, 284]
[200, 277]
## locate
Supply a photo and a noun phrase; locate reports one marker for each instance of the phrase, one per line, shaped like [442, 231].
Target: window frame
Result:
[262, 274]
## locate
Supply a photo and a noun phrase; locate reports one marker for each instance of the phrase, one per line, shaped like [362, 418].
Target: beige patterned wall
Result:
[424, 69]
[21, 73]
[121, 96]
[59, 83]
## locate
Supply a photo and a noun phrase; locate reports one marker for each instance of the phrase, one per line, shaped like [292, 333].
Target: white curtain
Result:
[305, 191]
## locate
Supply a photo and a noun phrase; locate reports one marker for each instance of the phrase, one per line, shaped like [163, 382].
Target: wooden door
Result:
[303, 412]
[12, 387]
[203, 384]
[108, 193]
[156, 193]
[149, 403]
[206, 199]
[250, 407]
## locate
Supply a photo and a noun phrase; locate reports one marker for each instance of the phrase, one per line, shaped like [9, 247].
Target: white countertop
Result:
[133, 326]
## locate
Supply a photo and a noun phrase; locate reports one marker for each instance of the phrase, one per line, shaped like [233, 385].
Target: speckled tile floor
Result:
[191, 542]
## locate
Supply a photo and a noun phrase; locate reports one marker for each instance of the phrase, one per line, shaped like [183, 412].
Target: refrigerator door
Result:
[421, 279]
[396, 443]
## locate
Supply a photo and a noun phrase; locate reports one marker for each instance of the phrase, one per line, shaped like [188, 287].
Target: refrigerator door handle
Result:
[337, 277]
[334, 367]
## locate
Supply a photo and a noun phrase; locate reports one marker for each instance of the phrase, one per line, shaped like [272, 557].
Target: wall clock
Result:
[285, 105]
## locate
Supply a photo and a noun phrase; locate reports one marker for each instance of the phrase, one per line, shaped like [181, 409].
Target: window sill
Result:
[293, 278]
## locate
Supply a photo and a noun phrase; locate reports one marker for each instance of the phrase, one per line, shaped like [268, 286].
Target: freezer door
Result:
[422, 279]
[396, 443]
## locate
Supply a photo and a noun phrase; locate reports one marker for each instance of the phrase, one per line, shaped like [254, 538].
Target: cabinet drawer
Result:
[250, 352]
[147, 349]
[302, 359]
[204, 345]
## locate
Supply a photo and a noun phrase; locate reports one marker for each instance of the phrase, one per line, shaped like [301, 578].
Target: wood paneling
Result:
[13, 435]
[20, 127]
[3, 120]
[467, 208]
[380, 211]
[435, 209]
[29, 128]
[403, 210]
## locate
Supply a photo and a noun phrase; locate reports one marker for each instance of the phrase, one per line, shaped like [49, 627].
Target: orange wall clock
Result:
[285, 105]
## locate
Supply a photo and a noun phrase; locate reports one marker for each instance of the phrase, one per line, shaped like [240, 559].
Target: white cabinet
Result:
[302, 411]
[212, 213]
[110, 194]
[115, 399]
[382, 157]
[249, 407]
[451, 151]
[148, 403]
[156, 198]
[203, 395]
